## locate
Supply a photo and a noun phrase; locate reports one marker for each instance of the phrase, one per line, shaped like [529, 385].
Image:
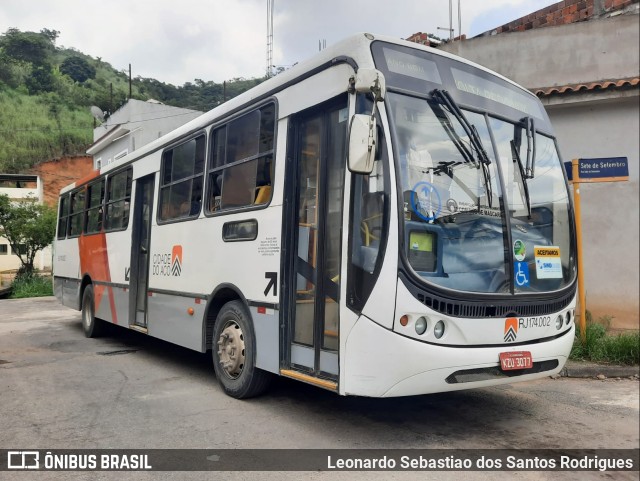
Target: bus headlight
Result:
[559, 322]
[421, 325]
[567, 317]
[438, 330]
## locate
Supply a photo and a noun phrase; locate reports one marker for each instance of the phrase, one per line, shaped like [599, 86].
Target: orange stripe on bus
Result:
[94, 261]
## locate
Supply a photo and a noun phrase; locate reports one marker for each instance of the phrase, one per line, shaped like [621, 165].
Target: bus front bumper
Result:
[381, 363]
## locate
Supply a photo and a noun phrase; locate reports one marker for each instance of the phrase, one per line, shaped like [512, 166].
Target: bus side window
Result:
[181, 180]
[76, 216]
[240, 169]
[118, 200]
[95, 199]
[63, 215]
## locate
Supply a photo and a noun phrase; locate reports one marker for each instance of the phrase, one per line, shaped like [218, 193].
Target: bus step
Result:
[141, 329]
[323, 383]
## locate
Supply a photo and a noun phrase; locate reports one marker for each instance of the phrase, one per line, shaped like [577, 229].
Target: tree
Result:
[52, 35]
[28, 226]
[78, 69]
[32, 47]
[40, 80]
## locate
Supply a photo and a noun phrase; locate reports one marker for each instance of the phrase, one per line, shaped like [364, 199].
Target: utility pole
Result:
[269, 71]
[450, 20]
[451, 29]
[459, 21]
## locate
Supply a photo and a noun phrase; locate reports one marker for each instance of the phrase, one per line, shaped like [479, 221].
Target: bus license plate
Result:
[510, 361]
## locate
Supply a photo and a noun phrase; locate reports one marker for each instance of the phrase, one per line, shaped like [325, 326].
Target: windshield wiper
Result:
[445, 99]
[529, 128]
[531, 147]
[523, 178]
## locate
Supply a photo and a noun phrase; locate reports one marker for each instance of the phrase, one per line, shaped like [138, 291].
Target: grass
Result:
[39, 127]
[31, 285]
[606, 348]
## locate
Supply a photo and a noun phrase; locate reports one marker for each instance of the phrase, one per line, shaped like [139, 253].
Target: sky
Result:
[180, 41]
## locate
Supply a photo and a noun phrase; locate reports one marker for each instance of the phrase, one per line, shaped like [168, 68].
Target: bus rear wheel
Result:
[234, 353]
[91, 326]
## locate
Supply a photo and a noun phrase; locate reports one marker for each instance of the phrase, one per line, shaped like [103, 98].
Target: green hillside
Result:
[46, 93]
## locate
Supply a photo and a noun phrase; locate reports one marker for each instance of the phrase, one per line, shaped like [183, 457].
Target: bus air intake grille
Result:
[493, 373]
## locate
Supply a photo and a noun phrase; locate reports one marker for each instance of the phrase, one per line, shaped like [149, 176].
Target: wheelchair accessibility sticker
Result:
[521, 274]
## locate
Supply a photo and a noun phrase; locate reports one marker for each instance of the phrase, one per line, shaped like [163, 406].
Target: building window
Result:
[63, 215]
[241, 163]
[21, 250]
[118, 200]
[4, 249]
[181, 181]
[77, 212]
[99, 163]
[95, 197]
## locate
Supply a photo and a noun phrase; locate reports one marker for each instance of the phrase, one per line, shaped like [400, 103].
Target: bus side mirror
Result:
[369, 80]
[363, 134]
[362, 143]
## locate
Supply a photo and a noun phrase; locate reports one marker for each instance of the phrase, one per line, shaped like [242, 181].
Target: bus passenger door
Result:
[140, 242]
[315, 178]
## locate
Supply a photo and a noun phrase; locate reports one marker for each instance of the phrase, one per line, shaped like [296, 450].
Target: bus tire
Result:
[234, 353]
[91, 326]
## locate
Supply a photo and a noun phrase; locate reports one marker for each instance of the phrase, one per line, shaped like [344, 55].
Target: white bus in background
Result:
[384, 219]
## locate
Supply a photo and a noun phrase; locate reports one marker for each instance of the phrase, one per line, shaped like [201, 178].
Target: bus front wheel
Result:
[91, 326]
[234, 353]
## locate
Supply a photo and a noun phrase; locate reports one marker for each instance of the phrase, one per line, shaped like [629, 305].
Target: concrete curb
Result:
[599, 371]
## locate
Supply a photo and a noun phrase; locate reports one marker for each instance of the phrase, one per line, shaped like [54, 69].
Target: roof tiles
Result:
[588, 87]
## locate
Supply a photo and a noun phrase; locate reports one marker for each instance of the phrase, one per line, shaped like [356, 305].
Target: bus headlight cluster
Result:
[438, 329]
[421, 325]
[559, 322]
[567, 318]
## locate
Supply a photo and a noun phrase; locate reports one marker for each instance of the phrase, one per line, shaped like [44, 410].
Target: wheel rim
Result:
[231, 350]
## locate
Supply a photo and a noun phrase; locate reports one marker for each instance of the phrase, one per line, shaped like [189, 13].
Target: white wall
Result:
[145, 121]
[599, 49]
[610, 210]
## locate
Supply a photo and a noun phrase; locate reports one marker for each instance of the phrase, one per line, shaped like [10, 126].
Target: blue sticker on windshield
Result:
[521, 274]
[424, 203]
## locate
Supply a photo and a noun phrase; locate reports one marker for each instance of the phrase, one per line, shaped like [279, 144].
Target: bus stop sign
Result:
[606, 169]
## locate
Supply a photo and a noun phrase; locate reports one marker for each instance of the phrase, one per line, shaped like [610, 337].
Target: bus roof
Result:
[356, 48]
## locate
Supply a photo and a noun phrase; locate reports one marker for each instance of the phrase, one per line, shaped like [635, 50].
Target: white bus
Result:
[384, 219]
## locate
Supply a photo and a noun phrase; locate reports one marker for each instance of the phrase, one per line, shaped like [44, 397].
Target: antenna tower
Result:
[269, 38]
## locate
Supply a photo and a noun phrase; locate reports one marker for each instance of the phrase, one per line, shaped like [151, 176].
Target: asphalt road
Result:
[59, 390]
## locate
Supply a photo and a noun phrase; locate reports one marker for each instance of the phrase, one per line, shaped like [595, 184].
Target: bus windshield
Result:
[485, 207]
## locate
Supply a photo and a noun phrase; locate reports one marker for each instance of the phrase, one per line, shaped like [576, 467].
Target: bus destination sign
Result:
[607, 169]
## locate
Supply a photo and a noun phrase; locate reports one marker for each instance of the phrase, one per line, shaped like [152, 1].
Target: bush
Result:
[31, 285]
[601, 347]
